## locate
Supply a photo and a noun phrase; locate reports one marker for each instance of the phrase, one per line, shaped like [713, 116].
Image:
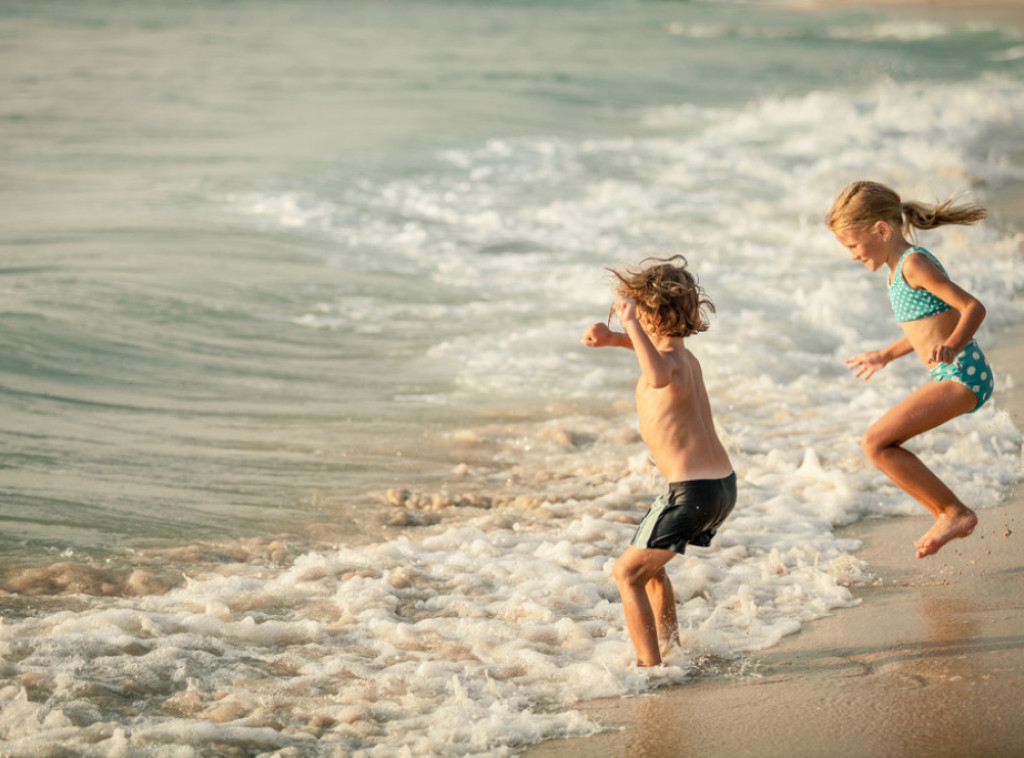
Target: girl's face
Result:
[869, 246]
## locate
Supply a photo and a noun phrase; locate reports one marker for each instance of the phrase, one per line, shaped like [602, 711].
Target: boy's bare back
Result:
[675, 419]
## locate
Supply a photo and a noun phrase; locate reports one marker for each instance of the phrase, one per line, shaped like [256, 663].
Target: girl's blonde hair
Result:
[667, 295]
[861, 204]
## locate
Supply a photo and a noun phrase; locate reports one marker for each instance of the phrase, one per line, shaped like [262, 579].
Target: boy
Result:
[658, 307]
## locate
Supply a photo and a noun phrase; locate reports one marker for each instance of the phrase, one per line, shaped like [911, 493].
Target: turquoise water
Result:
[267, 269]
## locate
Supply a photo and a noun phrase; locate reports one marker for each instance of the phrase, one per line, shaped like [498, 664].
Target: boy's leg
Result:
[663, 605]
[922, 410]
[632, 572]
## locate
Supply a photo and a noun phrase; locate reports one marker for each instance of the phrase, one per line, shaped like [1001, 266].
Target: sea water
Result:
[301, 453]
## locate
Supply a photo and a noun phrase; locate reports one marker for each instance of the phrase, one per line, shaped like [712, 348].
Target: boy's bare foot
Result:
[946, 527]
[665, 646]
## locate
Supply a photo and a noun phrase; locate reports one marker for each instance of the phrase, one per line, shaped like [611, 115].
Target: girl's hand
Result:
[941, 354]
[597, 335]
[866, 364]
[625, 309]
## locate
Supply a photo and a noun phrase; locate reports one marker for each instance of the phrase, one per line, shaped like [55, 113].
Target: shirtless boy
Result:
[659, 306]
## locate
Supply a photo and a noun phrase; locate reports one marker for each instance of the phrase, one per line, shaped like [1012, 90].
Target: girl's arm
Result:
[922, 273]
[655, 370]
[599, 335]
[868, 363]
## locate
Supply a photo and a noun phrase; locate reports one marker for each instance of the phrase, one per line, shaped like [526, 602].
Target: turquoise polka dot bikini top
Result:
[910, 304]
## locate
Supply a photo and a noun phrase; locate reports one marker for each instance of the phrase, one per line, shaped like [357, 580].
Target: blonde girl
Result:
[939, 320]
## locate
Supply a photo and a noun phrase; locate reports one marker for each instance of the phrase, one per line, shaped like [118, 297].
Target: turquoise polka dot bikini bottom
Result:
[970, 369]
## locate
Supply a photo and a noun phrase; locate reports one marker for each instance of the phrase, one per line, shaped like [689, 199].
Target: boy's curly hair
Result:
[667, 295]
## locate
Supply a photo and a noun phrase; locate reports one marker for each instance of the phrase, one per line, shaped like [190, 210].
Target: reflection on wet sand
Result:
[931, 663]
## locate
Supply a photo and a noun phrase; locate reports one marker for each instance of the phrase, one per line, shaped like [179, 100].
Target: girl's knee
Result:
[867, 446]
[872, 444]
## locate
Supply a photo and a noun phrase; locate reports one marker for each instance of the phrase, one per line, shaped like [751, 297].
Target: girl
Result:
[939, 320]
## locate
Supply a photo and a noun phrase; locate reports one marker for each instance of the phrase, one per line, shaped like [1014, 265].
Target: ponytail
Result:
[861, 204]
[921, 216]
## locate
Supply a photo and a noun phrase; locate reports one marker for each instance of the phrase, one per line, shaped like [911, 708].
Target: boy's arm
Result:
[655, 370]
[599, 335]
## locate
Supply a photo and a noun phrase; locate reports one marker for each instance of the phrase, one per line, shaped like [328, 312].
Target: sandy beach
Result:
[931, 661]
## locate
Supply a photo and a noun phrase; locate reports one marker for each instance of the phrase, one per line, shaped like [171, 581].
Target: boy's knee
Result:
[627, 572]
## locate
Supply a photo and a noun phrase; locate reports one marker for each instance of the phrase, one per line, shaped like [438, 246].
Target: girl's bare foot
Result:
[948, 526]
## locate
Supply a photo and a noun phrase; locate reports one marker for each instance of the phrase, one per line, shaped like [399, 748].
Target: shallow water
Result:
[300, 447]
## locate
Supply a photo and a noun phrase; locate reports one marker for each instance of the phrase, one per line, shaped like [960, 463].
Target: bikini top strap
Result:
[898, 272]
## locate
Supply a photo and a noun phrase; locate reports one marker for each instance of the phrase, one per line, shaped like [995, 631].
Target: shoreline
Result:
[937, 636]
[930, 661]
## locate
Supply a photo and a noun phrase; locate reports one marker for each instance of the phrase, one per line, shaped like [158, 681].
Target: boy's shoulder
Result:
[685, 365]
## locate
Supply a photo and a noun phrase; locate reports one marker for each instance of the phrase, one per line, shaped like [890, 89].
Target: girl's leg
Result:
[632, 572]
[663, 605]
[926, 408]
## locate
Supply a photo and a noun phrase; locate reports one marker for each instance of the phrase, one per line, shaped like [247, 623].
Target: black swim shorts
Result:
[689, 515]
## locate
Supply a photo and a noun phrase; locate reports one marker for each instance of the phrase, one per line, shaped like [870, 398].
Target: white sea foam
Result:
[465, 642]
[900, 30]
